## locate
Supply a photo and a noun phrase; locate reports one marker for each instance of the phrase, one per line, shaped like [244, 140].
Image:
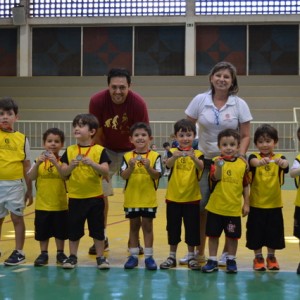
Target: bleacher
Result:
[270, 98]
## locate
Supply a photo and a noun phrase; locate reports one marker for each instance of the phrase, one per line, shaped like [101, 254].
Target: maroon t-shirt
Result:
[116, 119]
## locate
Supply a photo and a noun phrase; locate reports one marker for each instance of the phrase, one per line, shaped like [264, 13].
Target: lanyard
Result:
[81, 156]
[139, 155]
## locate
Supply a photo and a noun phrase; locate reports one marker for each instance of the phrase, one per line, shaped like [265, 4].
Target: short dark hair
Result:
[298, 133]
[86, 119]
[227, 133]
[184, 125]
[7, 103]
[118, 72]
[224, 65]
[166, 144]
[140, 125]
[55, 131]
[266, 130]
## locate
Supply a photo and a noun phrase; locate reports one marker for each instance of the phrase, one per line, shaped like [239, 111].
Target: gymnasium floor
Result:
[86, 282]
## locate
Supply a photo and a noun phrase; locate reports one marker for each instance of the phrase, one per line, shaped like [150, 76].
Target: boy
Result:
[51, 205]
[295, 173]
[14, 165]
[229, 181]
[183, 194]
[265, 220]
[141, 168]
[85, 164]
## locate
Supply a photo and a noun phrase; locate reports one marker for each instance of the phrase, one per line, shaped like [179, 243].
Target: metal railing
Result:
[161, 131]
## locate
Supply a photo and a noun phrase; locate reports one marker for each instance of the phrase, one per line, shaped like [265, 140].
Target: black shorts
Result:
[190, 215]
[297, 222]
[90, 210]
[132, 213]
[265, 228]
[51, 224]
[215, 224]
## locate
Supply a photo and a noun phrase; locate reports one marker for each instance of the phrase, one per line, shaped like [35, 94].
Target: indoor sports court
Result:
[87, 282]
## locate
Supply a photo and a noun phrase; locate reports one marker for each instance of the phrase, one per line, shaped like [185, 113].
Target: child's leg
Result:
[272, 263]
[99, 245]
[73, 245]
[213, 244]
[44, 245]
[19, 226]
[1, 222]
[232, 245]
[134, 228]
[147, 226]
[60, 244]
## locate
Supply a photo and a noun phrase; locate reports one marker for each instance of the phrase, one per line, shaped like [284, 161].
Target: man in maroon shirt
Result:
[117, 108]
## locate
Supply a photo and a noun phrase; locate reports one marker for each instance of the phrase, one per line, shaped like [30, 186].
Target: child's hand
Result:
[87, 161]
[146, 163]
[264, 161]
[28, 198]
[282, 163]
[74, 162]
[177, 154]
[245, 210]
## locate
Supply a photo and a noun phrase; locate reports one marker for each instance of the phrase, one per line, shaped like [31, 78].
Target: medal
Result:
[220, 163]
[47, 153]
[79, 157]
[139, 157]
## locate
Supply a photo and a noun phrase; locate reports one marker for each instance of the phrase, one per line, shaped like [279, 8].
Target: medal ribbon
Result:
[86, 153]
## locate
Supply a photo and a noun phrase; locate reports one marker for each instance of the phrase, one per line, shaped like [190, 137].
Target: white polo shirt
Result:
[211, 120]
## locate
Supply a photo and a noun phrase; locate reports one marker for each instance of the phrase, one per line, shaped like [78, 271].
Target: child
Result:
[51, 208]
[265, 220]
[167, 148]
[295, 173]
[141, 168]
[15, 163]
[183, 194]
[85, 164]
[230, 184]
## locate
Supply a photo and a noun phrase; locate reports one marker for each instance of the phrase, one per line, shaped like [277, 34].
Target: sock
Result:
[21, 251]
[231, 257]
[148, 252]
[60, 251]
[172, 254]
[134, 251]
[214, 258]
[45, 251]
[258, 255]
[270, 255]
[191, 255]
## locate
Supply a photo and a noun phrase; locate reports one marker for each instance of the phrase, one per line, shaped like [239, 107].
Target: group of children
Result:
[69, 193]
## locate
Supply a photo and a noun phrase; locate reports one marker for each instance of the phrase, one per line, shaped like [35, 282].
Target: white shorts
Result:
[114, 167]
[12, 193]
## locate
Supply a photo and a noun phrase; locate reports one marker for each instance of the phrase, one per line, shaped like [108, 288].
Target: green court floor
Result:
[45, 283]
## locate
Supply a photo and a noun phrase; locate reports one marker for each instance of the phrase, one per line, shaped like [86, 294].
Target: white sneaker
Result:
[223, 259]
[184, 260]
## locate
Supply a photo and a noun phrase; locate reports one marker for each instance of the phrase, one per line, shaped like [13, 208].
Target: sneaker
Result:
[131, 263]
[61, 257]
[70, 262]
[102, 263]
[16, 258]
[92, 249]
[259, 264]
[169, 263]
[193, 264]
[210, 266]
[184, 261]
[200, 258]
[231, 266]
[298, 269]
[150, 263]
[272, 263]
[223, 259]
[41, 260]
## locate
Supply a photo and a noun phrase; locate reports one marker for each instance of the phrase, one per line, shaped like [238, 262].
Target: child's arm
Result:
[295, 170]
[125, 174]
[33, 171]
[171, 160]
[100, 168]
[28, 195]
[217, 174]
[282, 162]
[151, 171]
[198, 162]
[246, 206]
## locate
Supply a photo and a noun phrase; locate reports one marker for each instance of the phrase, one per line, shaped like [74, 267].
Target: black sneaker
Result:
[102, 263]
[92, 249]
[70, 262]
[61, 257]
[298, 269]
[41, 260]
[16, 258]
